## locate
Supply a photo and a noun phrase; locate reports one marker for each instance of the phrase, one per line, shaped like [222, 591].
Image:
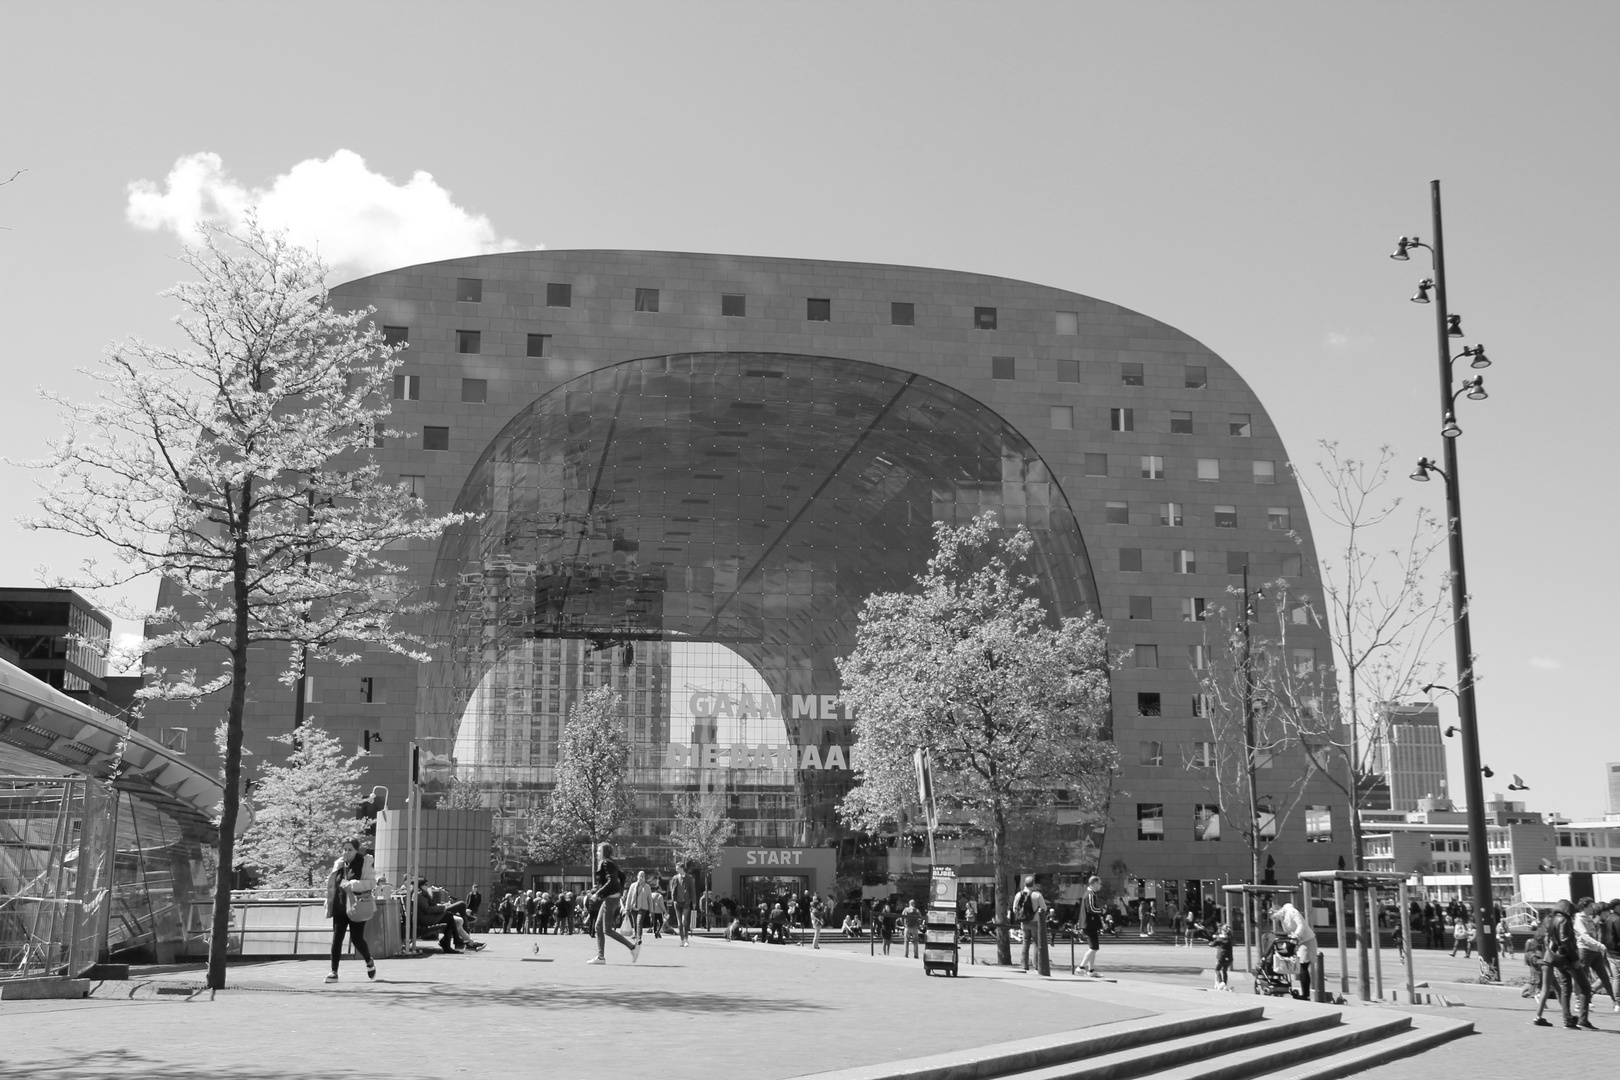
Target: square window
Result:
[902, 314]
[1150, 821]
[1096, 464]
[1152, 467]
[1180, 423]
[1203, 706]
[984, 318]
[1265, 472]
[469, 290]
[1063, 417]
[1206, 821]
[1197, 377]
[539, 345]
[1122, 419]
[1209, 468]
[1151, 754]
[1237, 562]
[1147, 704]
[1130, 560]
[1292, 565]
[646, 299]
[1146, 656]
[1304, 662]
[1118, 513]
[407, 387]
[733, 305]
[1003, 367]
[1068, 322]
[475, 391]
[1068, 371]
[1186, 562]
[1170, 515]
[1278, 518]
[396, 335]
[1300, 614]
[469, 341]
[1193, 609]
[1201, 755]
[1238, 424]
[416, 486]
[559, 295]
[1130, 374]
[1267, 818]
[1141, 607]
[435, 438]
[1226, 517]
[818, 310]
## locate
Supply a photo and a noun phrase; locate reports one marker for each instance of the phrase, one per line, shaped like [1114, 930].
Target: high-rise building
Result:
[58, 637]
[1411, 755]
[1614, 786]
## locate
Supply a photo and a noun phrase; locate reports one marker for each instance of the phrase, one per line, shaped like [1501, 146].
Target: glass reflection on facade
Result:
[700, 531]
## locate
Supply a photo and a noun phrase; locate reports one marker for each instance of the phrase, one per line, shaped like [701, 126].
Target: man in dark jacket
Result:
[681, 890]
[434, 905]
[1564, 955]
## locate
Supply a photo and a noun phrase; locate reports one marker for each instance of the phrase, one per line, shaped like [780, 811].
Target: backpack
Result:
[1023, 906]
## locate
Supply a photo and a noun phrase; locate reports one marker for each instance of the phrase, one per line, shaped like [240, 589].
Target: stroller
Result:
[1279, 966]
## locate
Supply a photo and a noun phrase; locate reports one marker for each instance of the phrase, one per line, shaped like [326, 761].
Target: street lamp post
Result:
[1448, 326]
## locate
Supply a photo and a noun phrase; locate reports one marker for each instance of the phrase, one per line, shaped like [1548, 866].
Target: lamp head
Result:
[1421, 474]
[1422, 294]
[1401, 247]
[1479, 359]
[1476, 388]
[1486, 769]
[1451, 731]
[1451, 429]
[1454, 326]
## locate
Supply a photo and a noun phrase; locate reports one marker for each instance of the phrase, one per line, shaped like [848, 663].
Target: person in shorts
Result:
[1092, 915]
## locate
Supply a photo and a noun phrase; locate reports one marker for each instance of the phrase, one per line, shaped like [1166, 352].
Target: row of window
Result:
[1151, 466]
[1183, 561]
[1238, 425]
[1146, 655]
[1173, 515]
[468, 342]
[1206, 822]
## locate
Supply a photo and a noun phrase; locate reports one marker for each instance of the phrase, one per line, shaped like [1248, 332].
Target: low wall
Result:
[294, 926]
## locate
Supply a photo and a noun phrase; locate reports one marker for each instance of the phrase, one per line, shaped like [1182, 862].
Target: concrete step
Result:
[1154, 1058]
[1426, 1033]
[1253, 1061]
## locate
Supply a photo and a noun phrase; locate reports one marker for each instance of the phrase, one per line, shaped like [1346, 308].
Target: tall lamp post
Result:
[1447, 327]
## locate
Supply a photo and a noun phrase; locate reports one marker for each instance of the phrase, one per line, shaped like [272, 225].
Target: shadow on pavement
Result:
[627, 998]
[130, 1065]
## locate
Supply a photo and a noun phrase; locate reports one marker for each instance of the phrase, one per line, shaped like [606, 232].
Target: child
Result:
[1222, 944]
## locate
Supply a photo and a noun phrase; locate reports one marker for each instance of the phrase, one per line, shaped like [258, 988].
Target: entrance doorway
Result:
[770, 890]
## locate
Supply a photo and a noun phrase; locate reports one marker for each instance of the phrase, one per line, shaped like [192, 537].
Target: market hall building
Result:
[690, 471]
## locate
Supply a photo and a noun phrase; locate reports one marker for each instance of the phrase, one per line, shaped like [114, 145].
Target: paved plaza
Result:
[735, 1011]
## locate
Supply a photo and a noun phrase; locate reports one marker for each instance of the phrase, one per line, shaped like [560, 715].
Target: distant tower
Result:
[1413, 755]
[1614, 787]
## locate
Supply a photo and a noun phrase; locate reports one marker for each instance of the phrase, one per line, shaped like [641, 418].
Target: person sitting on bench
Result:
[434, 906]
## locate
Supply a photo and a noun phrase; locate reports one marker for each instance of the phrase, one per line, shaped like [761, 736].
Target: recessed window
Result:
[1145, 656]
[469, 341]
[1266, 818]
[646, 299]
[1068, 322]
[1203, 706]
[1130, 374]
[1096, 464]
[407, 387]
[1186, 562]
[1238, 424]
[818, 310]
[396, 335]
[1181, 423]
[1196, 378]
[1122, 419]
[1152, 467]
[1063, 417]
[475, 391]
[1265, 472]
[1319, 824]
[733, 305]
[559, 294]
[1148, 704]
[984, 318]
[415, 486]
[1151, 754]
[1193, 609]
[1237, 562]
[1292, 565]
[1130, 560]
[1118, 513]
[1206, 821]
[1198, 657]
[1003, 367]
[902, 314]
[1278, 518]
[1209, 468]
[1068, 371]
[435, 438]
[1226, 517]
[1304, 661]
[1141, 607]
[1150, 821]
[1300, 614]
[1201, 755]
[1170, 514]
[469, 290]
[539, 345]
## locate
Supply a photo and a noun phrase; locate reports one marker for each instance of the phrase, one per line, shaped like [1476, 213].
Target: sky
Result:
[1238, 170]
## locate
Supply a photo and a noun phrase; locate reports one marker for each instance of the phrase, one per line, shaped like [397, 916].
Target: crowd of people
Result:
[1574, 951]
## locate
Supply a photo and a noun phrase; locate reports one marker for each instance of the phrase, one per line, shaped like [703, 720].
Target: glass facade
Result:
[700, 531]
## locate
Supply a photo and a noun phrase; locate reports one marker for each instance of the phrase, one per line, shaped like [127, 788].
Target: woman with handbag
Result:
[350, 901]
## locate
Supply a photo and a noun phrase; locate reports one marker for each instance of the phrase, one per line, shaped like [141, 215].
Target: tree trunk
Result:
[219, 936]
[1003, 934]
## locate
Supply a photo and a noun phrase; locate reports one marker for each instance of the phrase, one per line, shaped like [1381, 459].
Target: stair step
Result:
[1255, 1061]
[1201, 1046]
[1426, 1033]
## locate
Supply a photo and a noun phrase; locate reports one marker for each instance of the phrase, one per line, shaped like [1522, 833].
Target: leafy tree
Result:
[1012, 705]
[591, 799]
[302, 810]
[462, 794]
[701, 830]
[239, 469]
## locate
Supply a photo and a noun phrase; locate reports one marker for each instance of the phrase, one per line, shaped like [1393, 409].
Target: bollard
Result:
[1043, 963]
[1319, 979]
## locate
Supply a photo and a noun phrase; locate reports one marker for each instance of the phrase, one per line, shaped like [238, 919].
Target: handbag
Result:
[359, 906]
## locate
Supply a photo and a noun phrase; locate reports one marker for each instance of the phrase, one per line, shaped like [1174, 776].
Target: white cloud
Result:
[360, 221]
[1545, 663]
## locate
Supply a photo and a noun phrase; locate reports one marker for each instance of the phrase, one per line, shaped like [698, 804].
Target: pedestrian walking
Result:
[1288, 922]
[1593, 955]
[818, 916]
[912, 919]
[1564, 955]
[1144, 910]
[681, 894]
[503, 911]
[350, 901]
[608, 892]
[638, 905]
[660, 911]
[704, 913]
[1093, 916]
[1222, 944]
[475, 900]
